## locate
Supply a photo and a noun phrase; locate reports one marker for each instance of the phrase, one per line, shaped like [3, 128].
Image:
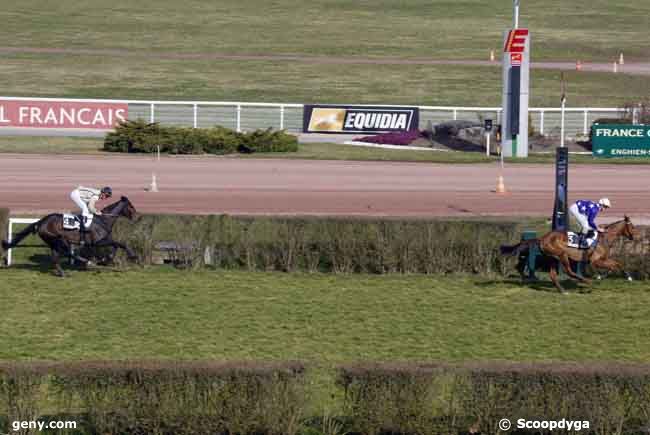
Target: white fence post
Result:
[282, 117]
[10, 226]
[455, 114]
[195, 115]
[238, 117]
[151, 117]
[584, 128]
[9, 233]
[541, 122]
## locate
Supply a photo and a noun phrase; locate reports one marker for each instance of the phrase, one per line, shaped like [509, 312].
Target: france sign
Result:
[620, 140]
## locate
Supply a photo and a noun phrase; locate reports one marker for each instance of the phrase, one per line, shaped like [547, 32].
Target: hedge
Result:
[254, 398]
[141, 137]
[158, 397]
[340, 245]
[446, 399]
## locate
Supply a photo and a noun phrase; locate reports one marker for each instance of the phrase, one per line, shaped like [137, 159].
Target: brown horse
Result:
[50, 230]
[554, 245]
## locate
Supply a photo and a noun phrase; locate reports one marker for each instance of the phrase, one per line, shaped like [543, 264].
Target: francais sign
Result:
[620, 140]
[359, 119]
[61, 114]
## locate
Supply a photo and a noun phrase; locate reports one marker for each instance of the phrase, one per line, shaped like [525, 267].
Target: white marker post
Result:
[516, 14]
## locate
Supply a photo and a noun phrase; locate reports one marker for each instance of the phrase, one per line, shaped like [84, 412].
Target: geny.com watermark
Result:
[42, 425]
[564, 424]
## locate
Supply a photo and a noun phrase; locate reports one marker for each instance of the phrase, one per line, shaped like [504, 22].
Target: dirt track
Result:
[635, 68]
[40, 184]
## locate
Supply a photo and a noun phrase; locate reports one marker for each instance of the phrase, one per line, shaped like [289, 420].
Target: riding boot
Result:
[82, 230]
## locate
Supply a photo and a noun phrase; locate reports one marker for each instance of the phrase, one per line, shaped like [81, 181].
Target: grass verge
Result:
[309, 151]
[170, 314]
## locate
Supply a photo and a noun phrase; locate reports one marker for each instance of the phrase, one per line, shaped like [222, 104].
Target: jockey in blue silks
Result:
[585, 213]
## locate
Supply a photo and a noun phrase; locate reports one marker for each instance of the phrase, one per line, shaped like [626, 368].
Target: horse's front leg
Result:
[611, 266]
[129, 252]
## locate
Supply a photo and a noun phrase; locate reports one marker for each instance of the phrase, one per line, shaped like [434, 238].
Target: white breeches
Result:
[82, 205]
[580, 218]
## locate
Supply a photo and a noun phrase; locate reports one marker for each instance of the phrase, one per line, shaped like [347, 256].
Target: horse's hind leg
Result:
[553, 275]
[58, 249]
[564, 259]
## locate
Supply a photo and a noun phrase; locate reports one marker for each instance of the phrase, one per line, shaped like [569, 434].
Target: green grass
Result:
[229, 315]
[590, 29]
[309, 151]
[49, 145]
[84, 76]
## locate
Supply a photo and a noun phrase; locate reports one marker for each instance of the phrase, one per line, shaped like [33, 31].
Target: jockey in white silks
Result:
[86, 198]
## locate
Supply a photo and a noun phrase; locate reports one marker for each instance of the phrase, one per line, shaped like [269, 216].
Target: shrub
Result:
[141, 137]
[393, 138]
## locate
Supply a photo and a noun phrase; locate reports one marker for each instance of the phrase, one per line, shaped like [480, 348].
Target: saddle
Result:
[73, 222]
[575, 240]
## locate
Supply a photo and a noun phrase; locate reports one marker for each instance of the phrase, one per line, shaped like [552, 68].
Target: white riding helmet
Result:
[605, 202]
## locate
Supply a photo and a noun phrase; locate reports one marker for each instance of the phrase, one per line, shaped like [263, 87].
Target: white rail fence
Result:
[10, 227]
[243, 116]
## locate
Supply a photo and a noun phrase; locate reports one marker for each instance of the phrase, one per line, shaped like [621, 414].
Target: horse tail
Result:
[518, 248]
[31, 229]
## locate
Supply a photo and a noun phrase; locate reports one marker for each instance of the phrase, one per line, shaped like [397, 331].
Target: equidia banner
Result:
[359, 119]
[61, 114]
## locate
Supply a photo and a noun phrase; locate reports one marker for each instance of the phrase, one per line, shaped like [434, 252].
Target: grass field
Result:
[163, 313]
[83, 76]
[591, 29]
[136, 33]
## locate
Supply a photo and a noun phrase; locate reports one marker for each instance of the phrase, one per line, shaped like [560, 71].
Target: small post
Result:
[282, 117]
[621, 61]
[491, 55]
[615, 67]
[563, 102]
[516, 14]
[487, 144]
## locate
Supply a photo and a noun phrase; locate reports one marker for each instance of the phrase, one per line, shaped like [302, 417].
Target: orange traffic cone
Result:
[501, 187]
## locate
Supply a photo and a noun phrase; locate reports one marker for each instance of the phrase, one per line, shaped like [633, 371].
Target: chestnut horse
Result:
[554, 245]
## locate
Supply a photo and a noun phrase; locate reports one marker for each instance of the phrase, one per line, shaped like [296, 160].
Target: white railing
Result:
[242, 116]
[10, 228]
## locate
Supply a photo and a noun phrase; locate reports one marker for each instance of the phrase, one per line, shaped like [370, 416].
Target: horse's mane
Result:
[109, 208]
[615, 223]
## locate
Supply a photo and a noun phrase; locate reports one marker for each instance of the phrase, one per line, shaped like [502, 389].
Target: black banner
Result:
[560, 209]
[515, 95]
[359, 119]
